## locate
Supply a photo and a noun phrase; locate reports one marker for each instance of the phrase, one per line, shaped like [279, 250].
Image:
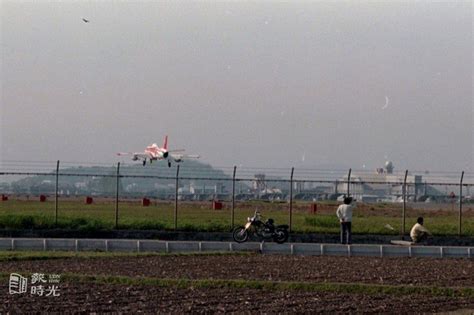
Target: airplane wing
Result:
[136, 155]
[180, 157]
[124, 153]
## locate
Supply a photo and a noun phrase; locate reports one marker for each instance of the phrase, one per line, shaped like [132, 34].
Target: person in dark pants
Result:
[344, 213]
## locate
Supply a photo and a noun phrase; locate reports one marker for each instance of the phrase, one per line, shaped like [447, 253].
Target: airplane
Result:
[154, 152]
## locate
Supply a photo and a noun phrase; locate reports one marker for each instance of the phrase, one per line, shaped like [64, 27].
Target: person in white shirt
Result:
[418, 232]
[344, 214]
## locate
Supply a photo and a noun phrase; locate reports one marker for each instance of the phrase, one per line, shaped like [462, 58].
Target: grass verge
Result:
[34, 255]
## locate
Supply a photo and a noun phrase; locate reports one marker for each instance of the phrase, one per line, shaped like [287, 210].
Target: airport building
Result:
[385, 185]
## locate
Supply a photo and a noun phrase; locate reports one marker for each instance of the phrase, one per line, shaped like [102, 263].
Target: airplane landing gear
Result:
[144, 162]
[169, 164]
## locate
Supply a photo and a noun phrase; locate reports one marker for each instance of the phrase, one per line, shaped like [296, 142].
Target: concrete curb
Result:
[220, 236]
[126, 245]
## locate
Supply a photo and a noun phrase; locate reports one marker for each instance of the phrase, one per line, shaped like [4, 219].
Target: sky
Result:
[256, 84]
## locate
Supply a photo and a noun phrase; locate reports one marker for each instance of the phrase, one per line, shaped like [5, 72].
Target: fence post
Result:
[176, 200]
[291, 198]
[460, 204]
[56, 194]
[349, 182]
[233, 199]
[404, 193]
[117, 195]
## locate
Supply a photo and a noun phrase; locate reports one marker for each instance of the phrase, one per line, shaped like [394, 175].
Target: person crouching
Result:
[418, 232]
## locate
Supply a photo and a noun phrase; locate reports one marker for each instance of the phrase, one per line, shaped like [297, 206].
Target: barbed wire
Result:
[30, 163]
[224, 173]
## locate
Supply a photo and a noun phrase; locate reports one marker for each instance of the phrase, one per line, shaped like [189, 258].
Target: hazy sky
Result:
[304, 84]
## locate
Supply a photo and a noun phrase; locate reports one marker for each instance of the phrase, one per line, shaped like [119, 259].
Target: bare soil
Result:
[393, 271]
[83, 298]
[93, 297]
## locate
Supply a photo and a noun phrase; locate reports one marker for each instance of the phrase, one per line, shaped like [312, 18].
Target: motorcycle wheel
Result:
[240, 234]
[280, 236]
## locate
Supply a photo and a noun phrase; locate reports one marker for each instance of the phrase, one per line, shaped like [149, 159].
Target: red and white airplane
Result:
[154, 152]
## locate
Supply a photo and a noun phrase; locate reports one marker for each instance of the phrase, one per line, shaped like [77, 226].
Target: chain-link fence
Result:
[196, 197]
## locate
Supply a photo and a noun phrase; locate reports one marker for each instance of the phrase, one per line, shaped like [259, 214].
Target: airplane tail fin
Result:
[165, 143]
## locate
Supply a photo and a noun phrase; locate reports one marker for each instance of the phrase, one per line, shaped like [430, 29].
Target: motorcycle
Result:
[264, 230]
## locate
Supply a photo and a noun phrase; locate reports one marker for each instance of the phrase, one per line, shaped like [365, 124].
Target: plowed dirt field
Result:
[418, 284]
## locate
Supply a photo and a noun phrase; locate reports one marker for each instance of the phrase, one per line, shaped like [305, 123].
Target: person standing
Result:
[344, 214]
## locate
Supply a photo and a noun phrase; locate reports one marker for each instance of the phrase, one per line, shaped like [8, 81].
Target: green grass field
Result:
[198, 216]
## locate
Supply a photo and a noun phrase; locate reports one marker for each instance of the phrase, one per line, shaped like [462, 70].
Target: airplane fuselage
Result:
[153, 152]
[156, 153]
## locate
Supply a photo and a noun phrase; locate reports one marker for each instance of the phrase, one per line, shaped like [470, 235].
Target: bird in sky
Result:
[85, 20]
